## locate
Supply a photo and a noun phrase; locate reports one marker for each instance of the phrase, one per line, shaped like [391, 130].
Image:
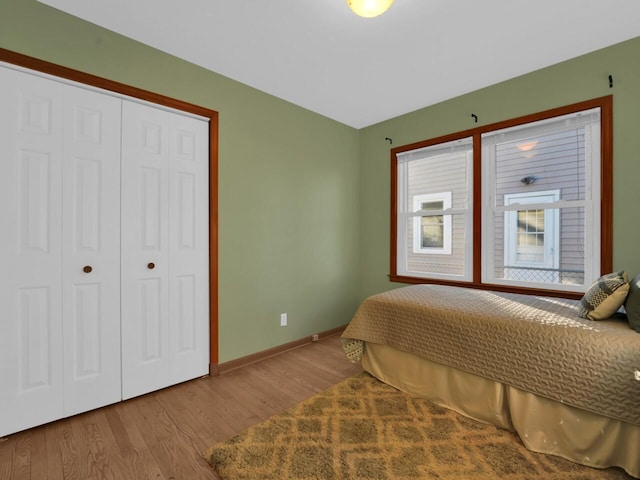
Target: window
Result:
[532, 238]
[432, 231]
[434, 219]
[521, 205]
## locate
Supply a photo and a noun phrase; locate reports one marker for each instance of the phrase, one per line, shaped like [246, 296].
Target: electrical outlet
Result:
[283, 319]
[314, 337]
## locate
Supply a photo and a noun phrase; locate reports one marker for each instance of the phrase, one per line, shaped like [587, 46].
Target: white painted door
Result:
[145, 250]
[91, 250]
[59, 213]
[31, 377]
[164, 249]
[188, 248]
[532, 238]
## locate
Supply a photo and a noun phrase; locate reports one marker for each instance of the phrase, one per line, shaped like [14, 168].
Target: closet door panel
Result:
[189, 248]
[91, 250]
[145, 249]
[31, 377]
[165, 226]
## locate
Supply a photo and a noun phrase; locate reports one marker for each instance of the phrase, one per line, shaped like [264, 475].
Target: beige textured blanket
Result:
[537, 344]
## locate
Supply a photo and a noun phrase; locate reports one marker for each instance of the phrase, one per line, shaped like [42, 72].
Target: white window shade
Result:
[521, 166]
[434, 219]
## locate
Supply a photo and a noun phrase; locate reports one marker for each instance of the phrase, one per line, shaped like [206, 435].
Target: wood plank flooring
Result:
[162, 435]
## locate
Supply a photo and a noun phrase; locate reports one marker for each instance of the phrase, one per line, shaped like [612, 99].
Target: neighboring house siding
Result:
[557, 162]
[443, 173]
[557, 165]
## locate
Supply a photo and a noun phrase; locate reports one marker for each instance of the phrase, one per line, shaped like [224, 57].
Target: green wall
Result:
[288, 195]
[579, 79]
[304, 200]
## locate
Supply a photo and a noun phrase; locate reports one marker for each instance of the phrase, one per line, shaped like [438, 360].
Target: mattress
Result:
[536, 344]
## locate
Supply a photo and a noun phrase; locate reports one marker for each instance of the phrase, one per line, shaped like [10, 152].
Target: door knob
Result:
[87, 269]
[151, 265]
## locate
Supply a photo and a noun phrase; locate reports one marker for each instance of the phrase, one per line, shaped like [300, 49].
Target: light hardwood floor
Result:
[162, 435]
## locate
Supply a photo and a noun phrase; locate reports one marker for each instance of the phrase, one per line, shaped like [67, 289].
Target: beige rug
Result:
[362, 429]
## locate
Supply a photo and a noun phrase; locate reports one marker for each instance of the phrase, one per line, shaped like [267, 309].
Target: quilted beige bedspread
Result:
[538, 344]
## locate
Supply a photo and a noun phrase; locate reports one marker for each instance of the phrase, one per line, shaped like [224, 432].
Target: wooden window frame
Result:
[606, 191]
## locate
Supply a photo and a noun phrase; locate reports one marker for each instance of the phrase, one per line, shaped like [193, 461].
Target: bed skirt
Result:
[545, 426]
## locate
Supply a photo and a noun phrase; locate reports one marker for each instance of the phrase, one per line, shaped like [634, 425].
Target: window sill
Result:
[488, 286]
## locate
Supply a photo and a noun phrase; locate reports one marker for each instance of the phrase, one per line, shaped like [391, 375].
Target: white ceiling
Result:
[321, 56]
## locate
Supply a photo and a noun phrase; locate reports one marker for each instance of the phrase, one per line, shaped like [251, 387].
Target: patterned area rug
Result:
[366, 430]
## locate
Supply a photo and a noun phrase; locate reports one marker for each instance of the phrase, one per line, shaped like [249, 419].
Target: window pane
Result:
[539, 256]
[432, 233]
[545, 162]
[434, 263]
[434, 179]
[432, 205]
[536, 164]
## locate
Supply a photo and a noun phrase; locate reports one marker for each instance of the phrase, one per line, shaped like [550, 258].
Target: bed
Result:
[568, 386]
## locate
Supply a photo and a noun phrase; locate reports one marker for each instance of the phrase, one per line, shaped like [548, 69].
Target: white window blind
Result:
[524, 163]
[434, 194]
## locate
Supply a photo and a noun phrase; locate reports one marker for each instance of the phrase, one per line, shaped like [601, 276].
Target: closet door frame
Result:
[121, 89]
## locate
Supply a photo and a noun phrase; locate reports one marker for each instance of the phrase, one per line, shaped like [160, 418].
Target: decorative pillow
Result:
[632, 304]
[604, 297]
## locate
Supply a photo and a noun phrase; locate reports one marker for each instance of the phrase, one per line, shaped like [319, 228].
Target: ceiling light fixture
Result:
[369, 8]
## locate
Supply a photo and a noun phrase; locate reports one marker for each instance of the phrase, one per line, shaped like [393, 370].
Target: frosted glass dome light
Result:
[369, 8]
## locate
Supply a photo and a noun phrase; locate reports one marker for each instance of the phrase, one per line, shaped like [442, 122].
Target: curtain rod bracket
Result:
[475, 117]
[610, 81]
[388, 140]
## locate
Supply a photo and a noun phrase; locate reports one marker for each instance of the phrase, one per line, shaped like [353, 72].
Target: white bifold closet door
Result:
[91, 251]
[59, 250]
[165, 271]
